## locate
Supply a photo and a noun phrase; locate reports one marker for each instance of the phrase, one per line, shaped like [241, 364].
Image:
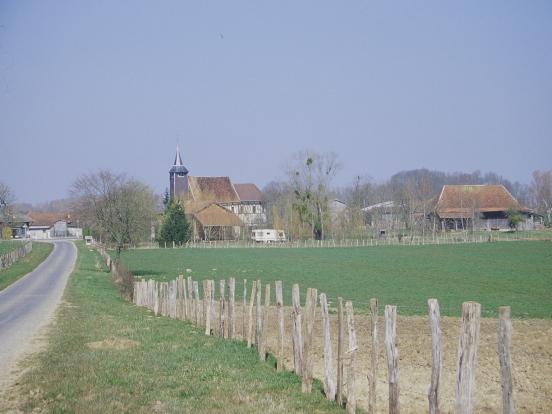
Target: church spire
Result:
[177, 158]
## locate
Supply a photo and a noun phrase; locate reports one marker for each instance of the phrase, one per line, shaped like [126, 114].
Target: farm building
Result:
[53, 225]
[245, 201]
[211, 221]
[483, 207]
[18, 223]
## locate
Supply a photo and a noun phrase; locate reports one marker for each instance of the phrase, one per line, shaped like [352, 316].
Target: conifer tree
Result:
[176, 227]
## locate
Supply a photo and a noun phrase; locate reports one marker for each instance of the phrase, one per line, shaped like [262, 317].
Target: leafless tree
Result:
[118, 207]
[6, 199]
[541, 188]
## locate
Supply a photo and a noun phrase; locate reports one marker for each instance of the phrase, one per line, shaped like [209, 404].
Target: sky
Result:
[242, 86]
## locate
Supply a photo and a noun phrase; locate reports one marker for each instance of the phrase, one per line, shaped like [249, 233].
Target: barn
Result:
[481, 207]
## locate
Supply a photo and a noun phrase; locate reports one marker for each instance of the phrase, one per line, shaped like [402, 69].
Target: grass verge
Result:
[26, 264]
[106, 355]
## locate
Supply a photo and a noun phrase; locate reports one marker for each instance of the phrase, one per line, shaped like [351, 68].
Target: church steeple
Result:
[178, 176]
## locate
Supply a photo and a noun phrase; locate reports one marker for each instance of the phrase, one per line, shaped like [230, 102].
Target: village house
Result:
[52, 225]
[482, 207]
[219, 209]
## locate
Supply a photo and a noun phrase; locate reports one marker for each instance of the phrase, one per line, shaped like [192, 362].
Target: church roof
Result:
[219, 189]
[215, 215]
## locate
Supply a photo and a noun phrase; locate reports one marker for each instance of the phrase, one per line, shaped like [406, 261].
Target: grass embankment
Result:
[7, 246]
[25, 264]
[106, 355]
[518, 274]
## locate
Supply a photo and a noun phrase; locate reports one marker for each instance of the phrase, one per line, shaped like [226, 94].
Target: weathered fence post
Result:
[207, 295]
[467, 358]
[244, 310]
[351, 395]
[280, 307]
[258, 316]
[197, 303]
[205, 301]
[392, 357]
[156, 298]
[213, 307]
[340, 340]
[504, 347]
[297, 334]
[372, 376]
[329, 374]
[222, 284]
[310, 313]
[264, 335]
[191, 307]
[436, 355]
[231, 308]
[250, 319]
[172, 299]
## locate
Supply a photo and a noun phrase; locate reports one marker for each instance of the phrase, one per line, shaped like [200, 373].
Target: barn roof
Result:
[249, 192]
[219, 189]
[461, 201]
[215, 215]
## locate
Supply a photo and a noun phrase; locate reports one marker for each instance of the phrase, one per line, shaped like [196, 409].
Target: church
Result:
[219, 208]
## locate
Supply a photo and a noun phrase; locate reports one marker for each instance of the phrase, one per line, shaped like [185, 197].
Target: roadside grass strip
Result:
[105, 355]
[26, 264]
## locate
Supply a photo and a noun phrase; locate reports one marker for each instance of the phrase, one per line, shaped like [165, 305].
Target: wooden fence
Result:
[180, 299]
[8, 259]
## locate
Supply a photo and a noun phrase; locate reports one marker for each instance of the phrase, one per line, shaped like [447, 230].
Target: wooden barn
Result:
[210, 221]
[483, 207]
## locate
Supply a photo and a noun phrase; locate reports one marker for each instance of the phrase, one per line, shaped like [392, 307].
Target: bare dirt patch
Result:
[531, 360]
[113, 343]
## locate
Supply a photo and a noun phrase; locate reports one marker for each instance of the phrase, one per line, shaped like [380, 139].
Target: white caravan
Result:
[268, 236]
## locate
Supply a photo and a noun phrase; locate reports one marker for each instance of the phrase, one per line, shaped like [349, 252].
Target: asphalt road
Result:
[27, 306]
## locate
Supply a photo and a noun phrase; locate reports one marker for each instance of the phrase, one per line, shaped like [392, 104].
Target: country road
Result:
[28, 305]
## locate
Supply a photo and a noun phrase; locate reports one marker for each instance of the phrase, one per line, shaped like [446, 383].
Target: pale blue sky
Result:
[243, 85]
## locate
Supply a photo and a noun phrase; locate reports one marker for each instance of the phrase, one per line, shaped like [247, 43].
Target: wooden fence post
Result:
[244, 310]
[310, 313]
[340, 340]
[197, 303]
[467, 358]
[297, 334]
[156, 298]
[191, 307]
[392, 357]
[504, 347]
[280, 307]
[213, 307]
[231, 308]
[172, 299]
[207, 298]
[372, 377]
[250, 319]
[222, 284]
[351, 395]
[258, 315]
[436, 355]
[329, 374]
[264, 335]
[184, 308]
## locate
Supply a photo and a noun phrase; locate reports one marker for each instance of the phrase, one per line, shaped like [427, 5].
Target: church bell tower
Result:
[178, 177]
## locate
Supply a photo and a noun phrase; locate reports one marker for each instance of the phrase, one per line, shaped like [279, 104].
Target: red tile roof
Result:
[215, 215]
[49, 219]
[217, 189]
[461, 201]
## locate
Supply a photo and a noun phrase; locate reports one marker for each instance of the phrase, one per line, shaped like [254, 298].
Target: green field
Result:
[25, 264]
[518, 274]
[9, 245]
[106, 355]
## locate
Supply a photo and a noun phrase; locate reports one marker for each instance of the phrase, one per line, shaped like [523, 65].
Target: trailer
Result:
[268, 236]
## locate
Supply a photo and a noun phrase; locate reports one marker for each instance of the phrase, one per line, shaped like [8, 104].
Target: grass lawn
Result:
[106, 355]
[518, 273]
[7, 246]
[25, 264]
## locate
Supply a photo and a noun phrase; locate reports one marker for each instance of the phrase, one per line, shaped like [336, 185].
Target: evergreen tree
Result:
[166, 198]
[175, 224]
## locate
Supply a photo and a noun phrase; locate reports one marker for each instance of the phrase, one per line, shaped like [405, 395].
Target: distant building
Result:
[18, 223]
[483, 207]
[245, 201]
[53, 225]
[382, 215]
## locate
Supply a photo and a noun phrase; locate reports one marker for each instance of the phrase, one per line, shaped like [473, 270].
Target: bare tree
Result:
[116, 206]
[6, 199]
[541, 188]
[310, 177]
